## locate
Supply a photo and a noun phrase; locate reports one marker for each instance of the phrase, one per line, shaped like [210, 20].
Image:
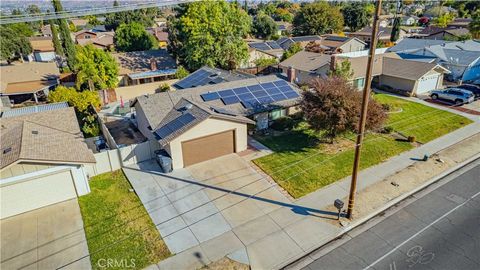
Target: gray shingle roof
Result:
[208, 75]
[413, 44]
[199, 113]
[131, 62]
[157, 106]
[306, 61]
[48, 136]
[406, 69]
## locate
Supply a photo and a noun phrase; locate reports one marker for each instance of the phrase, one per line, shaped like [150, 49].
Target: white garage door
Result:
[35, 193]
[427, 83]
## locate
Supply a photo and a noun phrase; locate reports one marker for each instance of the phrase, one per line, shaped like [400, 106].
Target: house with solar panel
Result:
[210, 75]
[204, 122]
[145, 67]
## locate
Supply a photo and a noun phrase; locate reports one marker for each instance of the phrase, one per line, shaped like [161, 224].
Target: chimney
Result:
[153, 64]
[333, 62]
[291, 74]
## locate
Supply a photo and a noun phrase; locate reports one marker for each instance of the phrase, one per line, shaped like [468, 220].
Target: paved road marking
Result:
[419, 232]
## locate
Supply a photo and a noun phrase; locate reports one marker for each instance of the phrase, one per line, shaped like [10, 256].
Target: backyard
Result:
[117, 225]
[303, 163]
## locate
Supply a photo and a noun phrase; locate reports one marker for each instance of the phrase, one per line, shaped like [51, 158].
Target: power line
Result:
[84, 12]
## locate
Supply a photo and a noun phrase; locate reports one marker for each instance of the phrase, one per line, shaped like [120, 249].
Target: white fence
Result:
[114, 159]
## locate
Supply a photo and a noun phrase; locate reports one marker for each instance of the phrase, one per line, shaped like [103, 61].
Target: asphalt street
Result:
[440, 230]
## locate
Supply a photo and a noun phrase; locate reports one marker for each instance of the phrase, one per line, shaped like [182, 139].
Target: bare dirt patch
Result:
[226, 264]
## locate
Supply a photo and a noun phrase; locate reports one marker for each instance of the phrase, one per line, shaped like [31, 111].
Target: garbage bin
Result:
[164, 160]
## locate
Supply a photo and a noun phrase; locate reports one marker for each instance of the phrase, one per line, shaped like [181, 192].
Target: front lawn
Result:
[302, 163]
[117, 225]
[423, 122]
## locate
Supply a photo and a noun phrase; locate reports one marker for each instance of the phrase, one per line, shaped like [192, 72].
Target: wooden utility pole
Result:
[363, 115]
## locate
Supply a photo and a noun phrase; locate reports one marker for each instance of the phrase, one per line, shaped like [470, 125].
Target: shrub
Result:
[284, 123]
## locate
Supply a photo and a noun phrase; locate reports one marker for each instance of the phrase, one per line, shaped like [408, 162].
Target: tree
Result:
[209, 33]
[181, 73]
[474, 25]
[34, 10]
[133, 37]
[96, 69]
[143, 16]
[317, 18]
[283, 14]
[67, 42]
[22, 29]
[395, 34]
[295, 48]
[355, 16]
[265, 62]
[333, 105]
[445, 19]
[14, 44]
[342, 70]
[84, 103]
[264, 26]
[56, 42]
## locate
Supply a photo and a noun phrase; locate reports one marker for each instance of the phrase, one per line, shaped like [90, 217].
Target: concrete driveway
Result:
[224, 207]
[46, 238]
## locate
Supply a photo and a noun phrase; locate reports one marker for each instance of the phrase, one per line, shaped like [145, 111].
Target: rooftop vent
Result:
[6, 150]
[35, 132]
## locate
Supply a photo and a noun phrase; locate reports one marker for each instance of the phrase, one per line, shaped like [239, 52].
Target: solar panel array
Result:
[174, 125]
[198, 78]
[336, 38]
[260, 46]
[254, 95]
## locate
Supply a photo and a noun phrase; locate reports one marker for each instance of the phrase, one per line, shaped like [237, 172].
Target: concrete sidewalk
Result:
[274, 239]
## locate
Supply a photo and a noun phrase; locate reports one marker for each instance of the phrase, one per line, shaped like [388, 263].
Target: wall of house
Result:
[44, 56]
[254, 55]
[352, 46]
[397, 83]
[205, 128]
[85, 36]
[142, 122]
[23, 168]
[457, 71]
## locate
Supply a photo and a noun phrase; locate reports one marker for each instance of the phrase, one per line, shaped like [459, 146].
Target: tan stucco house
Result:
[42, 158]
[188, 121]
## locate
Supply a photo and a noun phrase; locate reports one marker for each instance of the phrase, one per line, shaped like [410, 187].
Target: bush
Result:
[284, 123]
[164, 87]
[181, 73]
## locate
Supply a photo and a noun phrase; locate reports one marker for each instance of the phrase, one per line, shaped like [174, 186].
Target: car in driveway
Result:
[457, 95]
[470, 87]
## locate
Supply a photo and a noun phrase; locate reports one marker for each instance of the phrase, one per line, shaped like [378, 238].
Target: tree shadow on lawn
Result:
[291, 141]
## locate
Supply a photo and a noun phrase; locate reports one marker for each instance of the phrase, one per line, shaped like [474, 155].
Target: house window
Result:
[275, 114]
[87, 36]
[359, 83]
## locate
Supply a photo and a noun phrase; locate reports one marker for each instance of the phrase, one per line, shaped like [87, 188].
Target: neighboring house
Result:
[278, 47]
[208, 75]
[212, 117]
[101, 40]
[254, 55]
[284, 28]
[411, 77]
[443, 33]
[342, 44]
[161, 35]
[460, 57]
[43, 50]
[460, 22]
[42, 158]
[79, 23]
[384, 33]
[145, 66]
[26, 81]
[46, 30]
[305, 66]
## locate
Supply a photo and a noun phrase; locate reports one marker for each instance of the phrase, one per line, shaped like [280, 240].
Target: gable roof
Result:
[46, 136]
[367, 31]
[103, 39]
[413, 44]
[31, 73]
[406, 69]
[41, 44]
[359, 64]
[282, 44]
[156, 106]
[306, 61]
[169, 128]
[335, 41]
[209, 75]
[139, 61]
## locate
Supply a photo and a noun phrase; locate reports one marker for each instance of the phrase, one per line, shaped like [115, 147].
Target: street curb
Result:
[297, 263]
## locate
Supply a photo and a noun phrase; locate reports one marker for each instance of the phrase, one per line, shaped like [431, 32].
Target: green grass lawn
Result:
[302, 164]
[423, 122]
[117, 225]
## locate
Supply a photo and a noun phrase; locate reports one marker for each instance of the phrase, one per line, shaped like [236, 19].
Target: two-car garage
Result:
[208, 147]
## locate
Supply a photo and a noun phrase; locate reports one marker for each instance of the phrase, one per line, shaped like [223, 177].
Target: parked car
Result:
[457, 95]
[470, 87]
